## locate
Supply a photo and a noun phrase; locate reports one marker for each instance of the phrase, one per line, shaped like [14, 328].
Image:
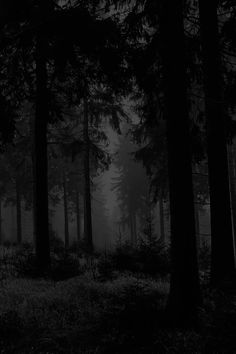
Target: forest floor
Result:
[88, 306]
[122, 315]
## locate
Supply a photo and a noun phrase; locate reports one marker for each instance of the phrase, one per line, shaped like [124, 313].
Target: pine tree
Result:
[222, 255]
[184, 296]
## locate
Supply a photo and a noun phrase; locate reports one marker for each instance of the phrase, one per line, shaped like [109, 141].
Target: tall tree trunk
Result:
[78, 216]
[232, 179]
[32, 129]
[222, 258]
[196, 210]
[66, 222]
[162, 220]
[1, 233]
[18, 213]
[184, 296]
[135, 229]
[131, 229]
[197, 225]
[40, 154]
[87, 191]
[131, 224]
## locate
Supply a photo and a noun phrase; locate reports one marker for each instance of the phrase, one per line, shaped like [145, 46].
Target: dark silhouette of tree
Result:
[78, 213]
[158, 41]
[222, 256]
[201, 194]
[40, 168]
[232, 179]
[162, 220]
[16, 178]
[66, 221]
[87, 193]
[184, 296]
[41, 24]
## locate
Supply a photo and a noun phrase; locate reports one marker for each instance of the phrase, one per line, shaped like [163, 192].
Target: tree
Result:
[87, 193]
[66, 221]
[222, 255]
[16, 176]
[131, 185]
[150, 136]
[40, 24]
[184, 296]
[232, 180]
[40, 170]
[159, 46]
[162, 220]
[99, 106]
[201, 194]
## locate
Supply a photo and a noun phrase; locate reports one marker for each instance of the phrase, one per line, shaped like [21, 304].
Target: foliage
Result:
[65, 316]
[122, 315]
[56, 244]
[149, 258]
[131, 185]
[65, 267]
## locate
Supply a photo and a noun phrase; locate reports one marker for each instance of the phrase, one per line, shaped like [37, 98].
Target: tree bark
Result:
[162, 220]
[185, 295]
[1, 232]
[132, 223]
[18, 213]
[33, 176]
[232, 179]
[135, 229]
[222, 258]
[131, 229]
[197, 224]
[40, 154]
[78, 216]
[66, 222]
[87, 188]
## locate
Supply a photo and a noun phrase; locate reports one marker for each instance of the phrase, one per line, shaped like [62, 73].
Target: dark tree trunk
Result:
[132, 225]
[66, 222]
[222, 259]
[232, 178]
[184, 296]
[162, 220]
[87, 192]
[131, 229]
[40, 156]
[33, 176]
[1, 233]
[197, 225]
[135, 229]
[18, 213]
[78, 216]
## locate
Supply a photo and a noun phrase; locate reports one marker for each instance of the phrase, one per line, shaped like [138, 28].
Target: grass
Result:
[124, 315]
[76, 315]
[93, 313]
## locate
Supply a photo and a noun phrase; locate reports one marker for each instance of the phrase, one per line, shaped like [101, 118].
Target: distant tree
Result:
[99, 108]
[16, 177]
[131, 185]
[41, 35]
[150, 136]
[88, 235]
[201, 194]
